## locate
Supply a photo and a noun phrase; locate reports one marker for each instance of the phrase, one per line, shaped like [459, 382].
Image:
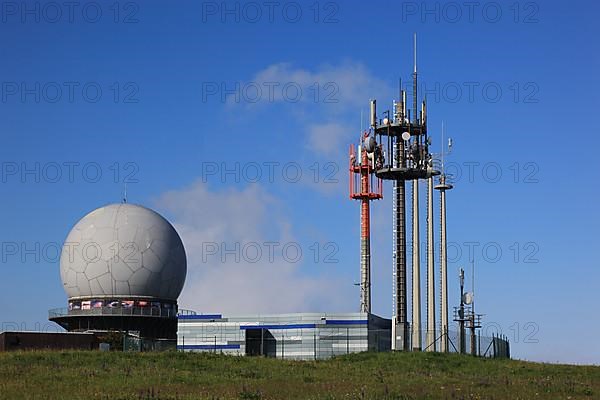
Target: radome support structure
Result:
[365, 187]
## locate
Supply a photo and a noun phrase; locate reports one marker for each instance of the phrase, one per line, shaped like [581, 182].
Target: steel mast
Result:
[364, 186]
[443, 185]
[430, 342]
[405, 157]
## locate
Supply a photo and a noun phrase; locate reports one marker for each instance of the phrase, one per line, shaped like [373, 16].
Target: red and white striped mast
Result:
[364, 186]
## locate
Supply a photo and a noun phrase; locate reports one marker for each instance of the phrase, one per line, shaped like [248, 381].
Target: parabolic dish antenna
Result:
[370, 144]
[468, 298]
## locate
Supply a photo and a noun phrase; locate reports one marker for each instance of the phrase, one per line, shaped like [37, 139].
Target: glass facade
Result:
[295, 336]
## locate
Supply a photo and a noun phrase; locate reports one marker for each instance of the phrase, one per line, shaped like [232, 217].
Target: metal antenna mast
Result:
[430, 342]
[465, 315]
[415, 115]
[405, 157]
[475, 319]
[461, 311]
[443, 185]
[364, 186]
[416, 269]
[416, 265]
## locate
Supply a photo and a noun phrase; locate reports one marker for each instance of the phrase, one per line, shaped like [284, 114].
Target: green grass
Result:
[115, 375]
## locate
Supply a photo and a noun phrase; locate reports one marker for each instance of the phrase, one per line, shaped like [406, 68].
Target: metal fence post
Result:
[315, 343]
[347, 340]
[262, 342]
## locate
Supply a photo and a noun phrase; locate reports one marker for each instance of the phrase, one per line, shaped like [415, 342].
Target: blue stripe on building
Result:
[208, 346]
[202, 316]
[346, 322]
[288, 326]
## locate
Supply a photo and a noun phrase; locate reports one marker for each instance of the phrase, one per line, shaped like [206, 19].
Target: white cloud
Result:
[202, 216]
[331, 96]
[327, 138]
[337, 87]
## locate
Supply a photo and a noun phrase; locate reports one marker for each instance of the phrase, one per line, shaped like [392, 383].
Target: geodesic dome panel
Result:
[123, 250]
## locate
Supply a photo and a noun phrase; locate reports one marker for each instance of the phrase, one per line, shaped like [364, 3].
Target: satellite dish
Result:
[468, 298]
[405, 136]
[370, 144]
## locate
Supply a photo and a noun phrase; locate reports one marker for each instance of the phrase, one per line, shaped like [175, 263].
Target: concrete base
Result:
[400, 335]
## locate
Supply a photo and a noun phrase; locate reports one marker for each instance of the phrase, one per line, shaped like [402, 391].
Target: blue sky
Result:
[138, 92]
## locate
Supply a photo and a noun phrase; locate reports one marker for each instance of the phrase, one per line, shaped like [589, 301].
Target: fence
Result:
[121, 311]
[135, 343]
[482, 346]
[322, 343]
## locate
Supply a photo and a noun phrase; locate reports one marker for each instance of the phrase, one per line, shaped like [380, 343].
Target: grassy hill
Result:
[115, 375]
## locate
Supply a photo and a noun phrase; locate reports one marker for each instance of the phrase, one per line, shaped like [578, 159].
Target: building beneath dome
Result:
[123, 267]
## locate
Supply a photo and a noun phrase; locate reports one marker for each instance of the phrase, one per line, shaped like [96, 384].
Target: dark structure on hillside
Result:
[12, 341]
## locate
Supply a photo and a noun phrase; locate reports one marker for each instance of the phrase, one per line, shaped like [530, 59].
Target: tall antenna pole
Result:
[364, 188]
[416, 271]
[416, 267]
[406, 159]
[443, 144]
[399, 255]
[415, 49]
[361, 121]
[443, 186]
[473, 282]
[415, 115]
[461, 311]
[473, 323]
[430, 342]
[365, 239]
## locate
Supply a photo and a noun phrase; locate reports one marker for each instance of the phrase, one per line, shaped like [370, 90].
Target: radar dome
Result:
[123, 250]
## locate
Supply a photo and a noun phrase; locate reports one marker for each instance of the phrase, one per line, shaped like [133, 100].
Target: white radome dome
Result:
[123, 250]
